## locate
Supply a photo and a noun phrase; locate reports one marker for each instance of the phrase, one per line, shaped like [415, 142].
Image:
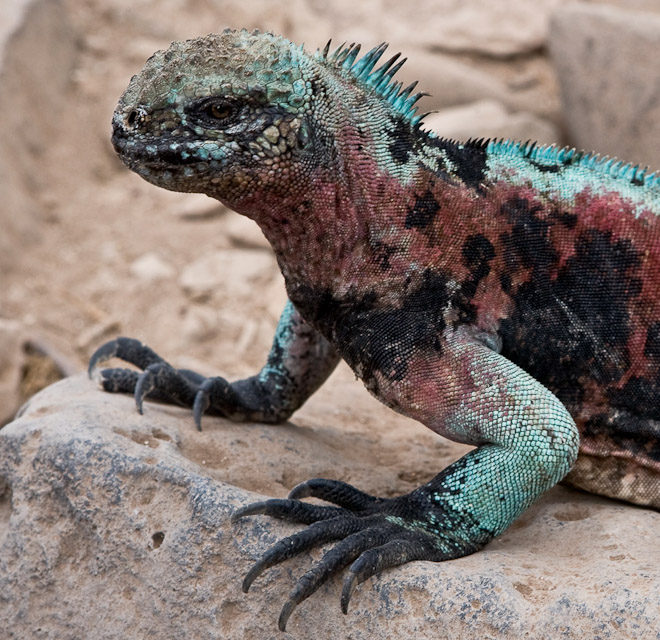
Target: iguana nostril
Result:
[135, 118]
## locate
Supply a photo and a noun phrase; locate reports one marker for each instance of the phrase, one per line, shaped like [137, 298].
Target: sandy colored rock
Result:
[491, 28]
[201, 323]
[37, 31]
[117, 525]
[197, 206]
[12, 359]
[231, 273]
[490, 119]
[151, 267]
[244, 232]
[611, 95]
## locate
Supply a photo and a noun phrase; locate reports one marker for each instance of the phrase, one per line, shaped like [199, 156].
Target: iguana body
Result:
[503, 294]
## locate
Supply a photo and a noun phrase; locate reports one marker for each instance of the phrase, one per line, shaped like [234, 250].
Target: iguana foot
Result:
[159, 380]
[373, 533]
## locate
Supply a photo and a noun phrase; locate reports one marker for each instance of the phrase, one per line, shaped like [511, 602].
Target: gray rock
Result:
[197, 206]
[449, 81]
[605, 60]
[12, 15]
[489, 28]
[116, 525]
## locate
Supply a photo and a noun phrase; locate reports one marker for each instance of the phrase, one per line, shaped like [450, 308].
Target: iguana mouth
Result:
[154, 150]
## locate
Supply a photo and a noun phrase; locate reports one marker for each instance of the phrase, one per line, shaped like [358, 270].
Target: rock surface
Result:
[12, 360]
[151, 267]
[37, 54]
[489, 119]
[116, 525]
[490, 28]
[231, 273]
[609, 86]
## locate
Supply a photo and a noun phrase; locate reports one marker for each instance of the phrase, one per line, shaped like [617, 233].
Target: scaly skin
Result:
[504, 295]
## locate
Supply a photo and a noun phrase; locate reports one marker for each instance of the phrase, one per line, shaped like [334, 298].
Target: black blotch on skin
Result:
[373, 339]
[572, 327]
[638, 395]
[382, 253]
[568, 220]
[469, 160]
[546, 168]
[505, 282]
[423, 211]
[528, 243]
[477, 252]
[402, 142]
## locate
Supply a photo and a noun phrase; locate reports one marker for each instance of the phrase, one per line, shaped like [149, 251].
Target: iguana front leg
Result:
[300, 360]
[526, 442]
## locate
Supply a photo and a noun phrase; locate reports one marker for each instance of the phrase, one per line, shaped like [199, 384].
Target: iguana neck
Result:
[332, 236]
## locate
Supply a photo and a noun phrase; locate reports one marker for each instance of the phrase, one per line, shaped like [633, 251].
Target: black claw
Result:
[350, 582]
[249, 510]
[315, 535]
[252, 575]
[334, 560]
[201, 404]
[290, 510]
[301, 490]
[281, 551]
[144, 385]
[105, 352]
[127, 349]
[285, 614]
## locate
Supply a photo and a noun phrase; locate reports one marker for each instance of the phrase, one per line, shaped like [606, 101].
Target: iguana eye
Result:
[217, 111]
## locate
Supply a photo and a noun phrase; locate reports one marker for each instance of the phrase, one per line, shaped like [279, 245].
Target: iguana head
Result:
[252, 119]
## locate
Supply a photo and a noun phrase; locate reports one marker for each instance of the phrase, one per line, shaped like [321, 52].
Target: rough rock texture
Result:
[609, 81]
[116, 525]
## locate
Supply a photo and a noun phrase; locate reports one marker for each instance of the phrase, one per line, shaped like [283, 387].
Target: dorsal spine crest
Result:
[344, 59]
[553, 155]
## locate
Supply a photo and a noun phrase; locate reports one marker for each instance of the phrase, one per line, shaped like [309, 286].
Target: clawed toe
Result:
[286, 509]
[370, 537]
[339, 493]
[127, 349]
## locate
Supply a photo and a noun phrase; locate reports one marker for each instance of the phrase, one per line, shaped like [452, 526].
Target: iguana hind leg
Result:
[526, 441]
